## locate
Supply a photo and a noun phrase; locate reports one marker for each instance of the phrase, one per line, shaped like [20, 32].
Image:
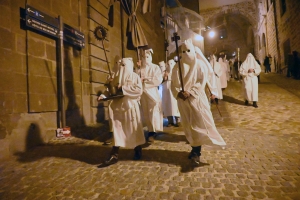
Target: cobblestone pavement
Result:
[261, 160]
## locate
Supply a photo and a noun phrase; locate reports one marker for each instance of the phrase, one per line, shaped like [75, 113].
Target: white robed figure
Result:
[162, 66]
[150, 100]
[228, 68]
[218, 73]
[211, 79]
[249, 70]
[196, 117]
[223, 77]
[169, 103]
[125, 113]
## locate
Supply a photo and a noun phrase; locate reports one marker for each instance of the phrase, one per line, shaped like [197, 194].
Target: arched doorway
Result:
[232, 31]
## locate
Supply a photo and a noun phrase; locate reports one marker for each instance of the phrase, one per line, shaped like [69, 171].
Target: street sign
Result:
[42, 22]
[42, 16]
[73, 36]
[41, 26]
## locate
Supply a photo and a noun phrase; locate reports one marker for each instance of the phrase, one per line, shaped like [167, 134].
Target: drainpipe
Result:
[61, 71]
[277, 39]
[81, 60]
[266, 35]
[122, 30]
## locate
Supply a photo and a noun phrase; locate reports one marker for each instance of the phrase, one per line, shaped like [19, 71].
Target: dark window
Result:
[222, 33]
[283, 7]
[263, 40]
[286, 49]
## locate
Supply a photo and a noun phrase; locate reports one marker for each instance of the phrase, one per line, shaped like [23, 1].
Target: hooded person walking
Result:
[169, 103]
[151, 77]
[218, 73]
[196, 117]
[249, 70]
[125, 113]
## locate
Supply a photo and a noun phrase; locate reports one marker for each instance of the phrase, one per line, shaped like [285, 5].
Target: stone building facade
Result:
[277, 31]
[29, 100]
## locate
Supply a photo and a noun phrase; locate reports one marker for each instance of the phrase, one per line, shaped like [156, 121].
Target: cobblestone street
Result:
[261, 159]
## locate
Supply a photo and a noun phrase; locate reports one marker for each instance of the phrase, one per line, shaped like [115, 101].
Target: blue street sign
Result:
[42, 16]
[41, 26]
[73, 36]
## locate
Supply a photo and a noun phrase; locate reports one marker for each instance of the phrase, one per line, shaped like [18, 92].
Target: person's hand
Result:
[180, 95]
[166, 76]
[186, 94]
[139, 63]
[144, 79]
[212, 96]
[250, 70]
[100, 97]
[183, 95]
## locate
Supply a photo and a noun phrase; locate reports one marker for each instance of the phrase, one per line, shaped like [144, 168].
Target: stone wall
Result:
[29, 75]
[288, 27]
[287, 32]
[29, 106]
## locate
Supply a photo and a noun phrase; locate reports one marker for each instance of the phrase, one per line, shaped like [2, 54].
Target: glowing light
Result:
[198, 37]
[176, 58]
[211, 34]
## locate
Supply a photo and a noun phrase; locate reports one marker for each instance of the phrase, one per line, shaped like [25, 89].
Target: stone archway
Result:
[238, 22]
[246, 9]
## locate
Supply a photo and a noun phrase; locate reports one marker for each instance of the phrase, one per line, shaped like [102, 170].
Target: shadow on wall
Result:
[24, 138]
[73, 115]
[33, 137]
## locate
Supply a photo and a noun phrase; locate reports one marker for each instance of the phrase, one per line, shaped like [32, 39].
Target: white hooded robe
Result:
[218, 73]
[250, 81]
[125, 113]
[169, 103]
[150, 99]
[196, 116]
[223, 77]
[211, 80]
